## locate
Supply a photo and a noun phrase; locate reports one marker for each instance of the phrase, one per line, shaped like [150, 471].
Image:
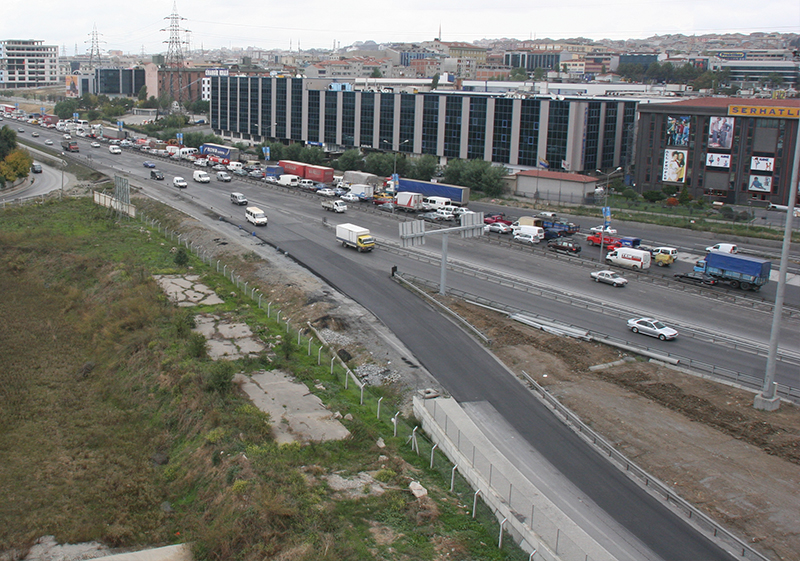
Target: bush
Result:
[654, 196]
[672, 202]
[181, 257]
[197, 346]
[219, 377]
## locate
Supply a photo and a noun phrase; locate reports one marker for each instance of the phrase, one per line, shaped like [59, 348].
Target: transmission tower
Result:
[174, 62]
[94, 50]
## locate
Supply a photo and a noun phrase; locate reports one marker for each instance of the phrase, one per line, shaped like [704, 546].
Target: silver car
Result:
[652, 327]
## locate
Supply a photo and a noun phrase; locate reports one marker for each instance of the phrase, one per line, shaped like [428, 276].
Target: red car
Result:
[499, 217]
[609, 242]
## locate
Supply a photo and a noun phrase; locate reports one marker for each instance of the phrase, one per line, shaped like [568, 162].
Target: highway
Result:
[299, 226]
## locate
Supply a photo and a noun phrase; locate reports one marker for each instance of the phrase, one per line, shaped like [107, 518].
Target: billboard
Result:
[760, 183]
[720, 132]
[674, 166]
[759, 163]
[72, 86]
[718, 160]
[678, 131]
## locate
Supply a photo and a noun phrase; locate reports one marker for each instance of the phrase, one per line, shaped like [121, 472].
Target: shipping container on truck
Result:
[320, 174]
[227, 152]
[294, 168]
[739, 271]
[275, 171]
[458, 195]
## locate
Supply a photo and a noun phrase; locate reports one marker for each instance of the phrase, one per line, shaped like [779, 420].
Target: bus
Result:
[70, 145]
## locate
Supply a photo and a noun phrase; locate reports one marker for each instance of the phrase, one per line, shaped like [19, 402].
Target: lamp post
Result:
[63, 165]
[394, 167]
[604, 208]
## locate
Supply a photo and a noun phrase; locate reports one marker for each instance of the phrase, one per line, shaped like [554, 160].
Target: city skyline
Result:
[308, 24]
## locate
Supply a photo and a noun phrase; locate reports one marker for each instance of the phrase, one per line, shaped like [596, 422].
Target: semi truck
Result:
[320, 174]
[351, 235]
[738, 271]
[229, 153]
[457, 194]
[294, 168]
[334, 206]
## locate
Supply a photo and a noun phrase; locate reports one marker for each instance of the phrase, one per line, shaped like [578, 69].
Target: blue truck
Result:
[738, 271]
[229, 153]
[458, 195]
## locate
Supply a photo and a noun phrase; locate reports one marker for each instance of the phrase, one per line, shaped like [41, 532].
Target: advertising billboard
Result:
[72, 86]
[674, 166]
[718, 160]
[678, 131]
[760, 183]
[759, 163]
[720, 132]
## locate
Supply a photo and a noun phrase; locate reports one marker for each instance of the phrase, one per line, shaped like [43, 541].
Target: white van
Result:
[201, 176]
[534, 231]
[724, 248]
[233, 166]
[307, 184]
[255, 215]
[435, 203]
[629, 257]
[289, 180]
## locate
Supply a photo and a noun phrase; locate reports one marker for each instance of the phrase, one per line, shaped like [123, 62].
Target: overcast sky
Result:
[143, 25]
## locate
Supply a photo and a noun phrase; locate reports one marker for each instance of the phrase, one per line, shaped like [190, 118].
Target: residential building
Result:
[27, 63]
[731, 150]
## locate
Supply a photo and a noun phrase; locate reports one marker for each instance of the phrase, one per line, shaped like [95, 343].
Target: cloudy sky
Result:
[143, 25]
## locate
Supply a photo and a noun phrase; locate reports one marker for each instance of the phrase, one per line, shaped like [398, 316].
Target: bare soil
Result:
[739, 465]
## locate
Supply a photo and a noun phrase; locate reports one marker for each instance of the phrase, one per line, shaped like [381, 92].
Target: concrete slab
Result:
[234, 330]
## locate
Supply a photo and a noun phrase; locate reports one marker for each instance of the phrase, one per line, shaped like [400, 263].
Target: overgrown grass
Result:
[118, 428]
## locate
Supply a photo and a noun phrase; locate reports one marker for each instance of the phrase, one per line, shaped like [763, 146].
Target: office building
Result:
[27, 64]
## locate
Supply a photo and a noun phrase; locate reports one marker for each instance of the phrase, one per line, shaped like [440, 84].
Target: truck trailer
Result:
[320, 174]
[457, 194]
[409, 202]
[229, 153]
[738, 271]
[294, 168]
[351, 235]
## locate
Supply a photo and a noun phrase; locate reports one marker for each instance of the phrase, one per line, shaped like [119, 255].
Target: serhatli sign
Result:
[216, 72]
[761, 111]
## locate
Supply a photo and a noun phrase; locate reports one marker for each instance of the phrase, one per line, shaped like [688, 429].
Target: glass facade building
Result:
[570, 133]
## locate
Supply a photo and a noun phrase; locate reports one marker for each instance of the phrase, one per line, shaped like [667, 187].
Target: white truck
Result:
[409, 202]
[288, 180]
[334, 206]
[362, 190]
[201, 176]
[351, 235]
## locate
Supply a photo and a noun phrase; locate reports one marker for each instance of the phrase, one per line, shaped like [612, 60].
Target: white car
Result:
[48, 142]
[350, 198]
[652, 327]
[497, 227]
[724, 248]
[602, 229]
[113, 149]
[95, 145]
[326, 192]
[609, 277]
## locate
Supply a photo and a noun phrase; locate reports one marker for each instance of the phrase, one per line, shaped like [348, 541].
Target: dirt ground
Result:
[739, 465]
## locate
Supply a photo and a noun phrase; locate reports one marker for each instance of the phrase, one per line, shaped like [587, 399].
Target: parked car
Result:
[155, 174]
[609, 277]
[350, 198]
[602, 229]
[326, 192]
[48, 142]
[497, 228]
[563, 245]
[693, 277]
[148, 164]
[652, 327]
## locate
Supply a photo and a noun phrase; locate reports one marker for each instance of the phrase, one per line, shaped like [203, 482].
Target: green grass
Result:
[101, 374]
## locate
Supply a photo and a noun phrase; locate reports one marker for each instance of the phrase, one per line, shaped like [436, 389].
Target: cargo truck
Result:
[351, 235]
[229, 153]
[294, 168]
[361, 178]
[409, 202]
[320, 174]
[334, 206]
[738, 271]
[362, 190]
[457, 194]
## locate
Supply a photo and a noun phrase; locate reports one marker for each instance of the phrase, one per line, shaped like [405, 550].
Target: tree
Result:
[630, 195]
[539, 74]
[65, 109]
[669, 190]
[435, 81]
[142, 95]
[17, 164]
[8, 141]
[379, 163]
[564, 68]
[684, 197]
[775, 79]
[518, 74]
[292, 152]
[423, 168]
[376, 73]
[350, 160]
[654, 196]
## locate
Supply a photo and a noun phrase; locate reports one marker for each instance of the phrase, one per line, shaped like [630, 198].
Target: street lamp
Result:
[604, 207]
[394, 168]
[63, 165]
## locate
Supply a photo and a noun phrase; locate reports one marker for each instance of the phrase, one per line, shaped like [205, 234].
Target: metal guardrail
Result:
[790, 393]
[695, 516]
